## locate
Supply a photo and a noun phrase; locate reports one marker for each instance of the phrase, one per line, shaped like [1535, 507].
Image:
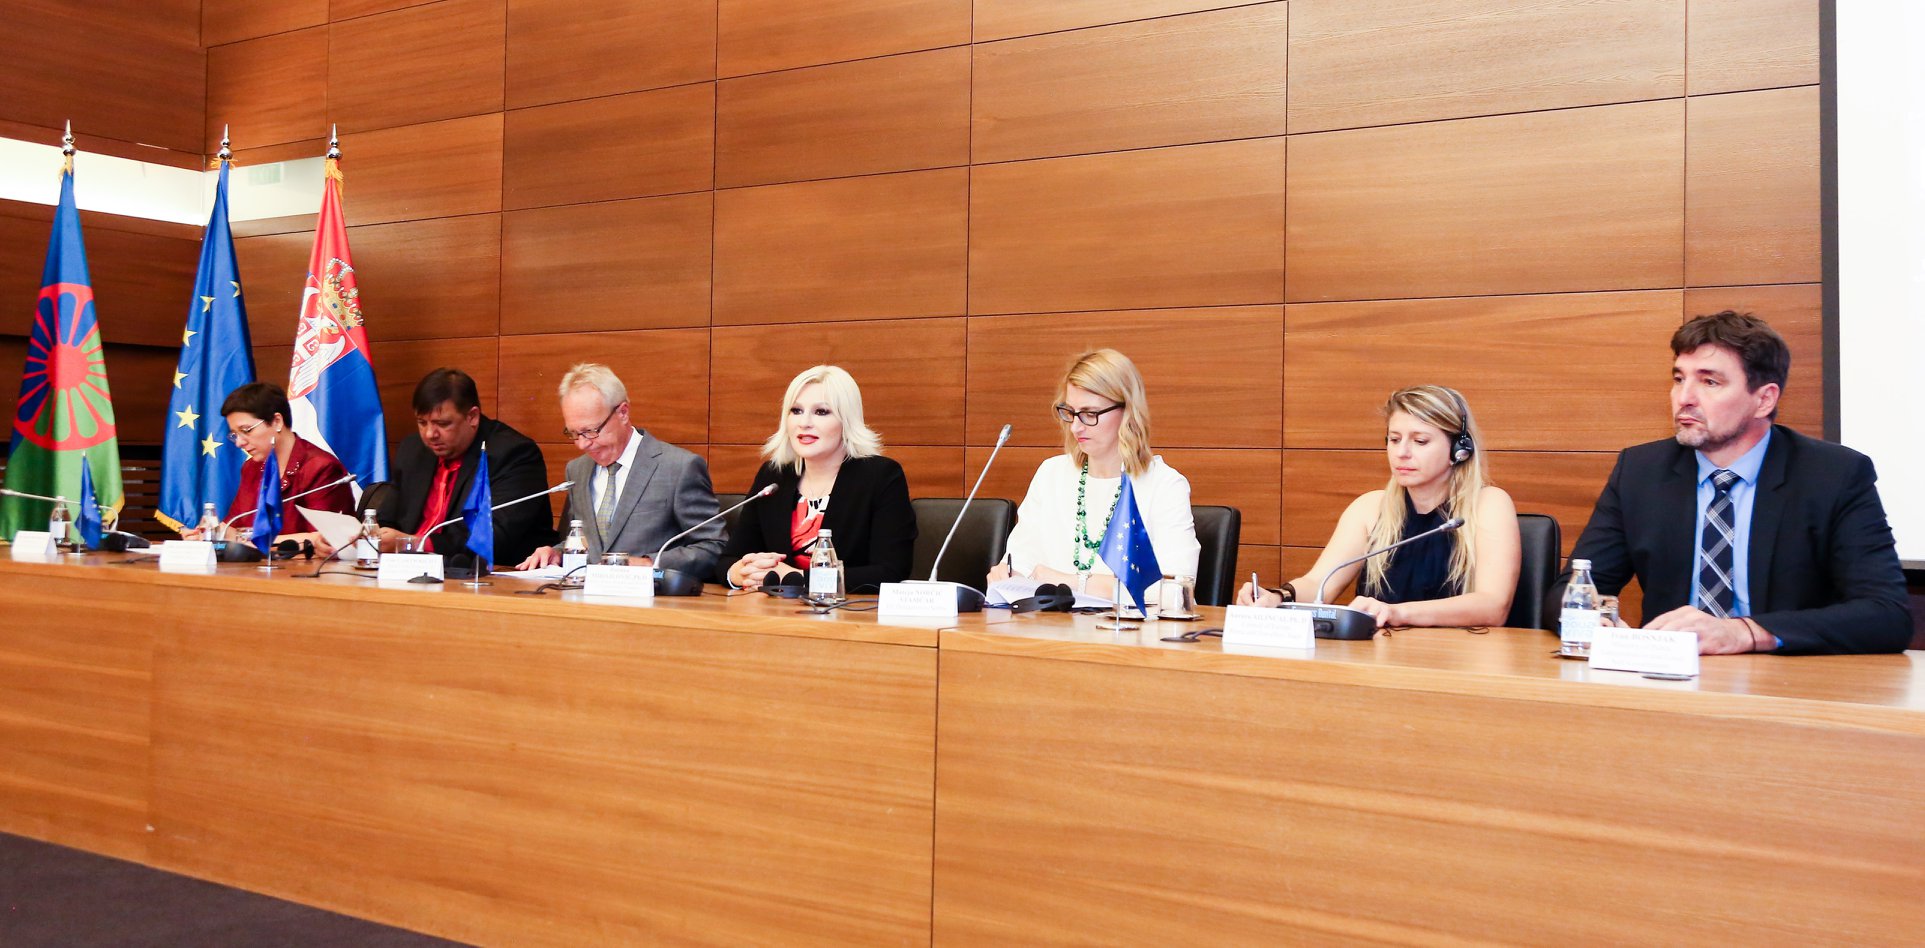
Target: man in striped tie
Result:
[1753, 536]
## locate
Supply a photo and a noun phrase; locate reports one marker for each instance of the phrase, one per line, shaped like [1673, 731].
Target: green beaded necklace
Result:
[1080, 542]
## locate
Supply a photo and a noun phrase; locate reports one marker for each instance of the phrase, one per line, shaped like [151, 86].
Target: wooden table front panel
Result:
[535, 776]
[1098, 801]
[74, 709]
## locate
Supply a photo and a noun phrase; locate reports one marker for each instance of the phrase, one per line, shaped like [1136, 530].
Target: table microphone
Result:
[558, 488]
[968, 598]
[674, 582]
[1343, 622]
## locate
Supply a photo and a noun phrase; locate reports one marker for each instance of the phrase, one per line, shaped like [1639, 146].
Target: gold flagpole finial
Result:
[67, 147]
[334, 142]
[226, 153]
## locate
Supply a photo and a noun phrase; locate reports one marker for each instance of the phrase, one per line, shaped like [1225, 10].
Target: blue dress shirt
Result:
[1742, 494]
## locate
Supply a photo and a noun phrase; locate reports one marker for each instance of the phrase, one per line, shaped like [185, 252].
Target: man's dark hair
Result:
[1759, 348]
[263, 400]
[446, 385]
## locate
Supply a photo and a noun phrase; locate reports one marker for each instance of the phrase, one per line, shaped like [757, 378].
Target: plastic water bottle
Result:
[367, 549]
[574, 547]
[1578, 620]
[210, 525]
[825, 572]
[60, 525]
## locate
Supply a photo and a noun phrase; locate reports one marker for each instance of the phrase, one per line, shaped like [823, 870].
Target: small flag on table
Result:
[267, 504]
[89, 519]
[478, 515]
[1126, 547]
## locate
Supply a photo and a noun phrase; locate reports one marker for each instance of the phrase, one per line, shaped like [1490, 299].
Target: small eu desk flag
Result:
[478, 515]
[1126, 547]
[267, 504]
[198, 464]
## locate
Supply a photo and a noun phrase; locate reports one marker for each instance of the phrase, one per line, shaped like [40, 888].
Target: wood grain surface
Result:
[1751, 44]
[563, 50]
[606, 149]
[639, 264]
[447, 56]
[767, 35]
[1752, 194]
[266, 91]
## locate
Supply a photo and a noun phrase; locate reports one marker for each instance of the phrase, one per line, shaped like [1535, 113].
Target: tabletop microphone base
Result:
[1337, 622]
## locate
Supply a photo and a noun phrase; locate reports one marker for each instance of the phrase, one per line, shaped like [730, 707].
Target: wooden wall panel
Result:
[273, 276]
[228, 21]
[268, 90]
[606, 149]
[932, 471]
[1796, 311]
[422, 64]
[1571, 372]
[640, 264]
[1382, 62]
[896, 113]
[1752, 210]
[910, 372]
[578, 49]
[766, 35]
[400, 365]
[1199, 225]
[129, 72]
[666, 371]
[1000, 19]
[1198, 78]
[855, 248]
[273, 362]
[1213, 376]
[1752, 44]
[441, 169]
[349, 9]
[1584, 199]
[1318, 485]
[431, 279]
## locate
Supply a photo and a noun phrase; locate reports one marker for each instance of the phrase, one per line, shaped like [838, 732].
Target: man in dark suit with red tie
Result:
[433, 469]
[1753, 536]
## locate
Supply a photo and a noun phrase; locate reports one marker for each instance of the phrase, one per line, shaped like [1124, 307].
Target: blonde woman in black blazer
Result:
[829, 474]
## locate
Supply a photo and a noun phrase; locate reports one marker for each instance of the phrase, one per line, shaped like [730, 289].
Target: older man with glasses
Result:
[433, 469]
[632, 491]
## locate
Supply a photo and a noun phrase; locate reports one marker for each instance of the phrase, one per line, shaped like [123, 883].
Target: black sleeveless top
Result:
[1420, 571]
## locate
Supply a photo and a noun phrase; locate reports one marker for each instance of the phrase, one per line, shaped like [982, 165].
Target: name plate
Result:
[633, 583]
[34, 546]
[187, 556]
[1269, 628]
[397, 569]
[917, 601]
[1647, 651]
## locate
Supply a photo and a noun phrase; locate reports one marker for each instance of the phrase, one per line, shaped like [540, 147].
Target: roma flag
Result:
[332, 390]
[65, 416]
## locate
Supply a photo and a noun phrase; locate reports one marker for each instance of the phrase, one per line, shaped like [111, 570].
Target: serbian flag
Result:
[332, 391]
[65, 416]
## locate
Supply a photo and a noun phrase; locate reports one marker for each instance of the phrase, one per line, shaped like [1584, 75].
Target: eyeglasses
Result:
[243, 431]
[591, 433]
[1090, 419]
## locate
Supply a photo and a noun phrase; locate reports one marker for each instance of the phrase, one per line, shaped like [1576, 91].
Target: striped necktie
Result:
[605, 507]
[1714, 591]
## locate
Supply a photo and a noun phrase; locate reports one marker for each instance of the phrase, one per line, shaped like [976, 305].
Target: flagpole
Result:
[1116, 623]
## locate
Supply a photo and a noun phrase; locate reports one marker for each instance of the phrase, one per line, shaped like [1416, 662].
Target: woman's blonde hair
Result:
[845, 400]
[1111, 374]
[1446, 410]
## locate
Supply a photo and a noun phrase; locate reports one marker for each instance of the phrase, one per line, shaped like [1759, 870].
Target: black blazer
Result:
[1824, 575]
[515, 469]
[875, 528]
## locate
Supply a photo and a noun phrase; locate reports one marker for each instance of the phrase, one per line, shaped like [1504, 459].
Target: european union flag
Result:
[198, 464]
[1126, 546]
[478, 515]
[267, 504]
[89, 519]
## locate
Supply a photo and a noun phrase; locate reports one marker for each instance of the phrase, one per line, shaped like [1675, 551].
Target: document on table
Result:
[1014, 588]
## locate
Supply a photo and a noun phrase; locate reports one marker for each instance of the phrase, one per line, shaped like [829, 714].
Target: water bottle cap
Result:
[574, 523]
[1580, 564]
[825, 534]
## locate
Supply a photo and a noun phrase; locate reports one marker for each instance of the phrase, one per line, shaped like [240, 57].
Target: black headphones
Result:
[1461, 447]
[1050, 597]
[792, 586]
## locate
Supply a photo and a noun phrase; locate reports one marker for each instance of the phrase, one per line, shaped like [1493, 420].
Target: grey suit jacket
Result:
[668, 491]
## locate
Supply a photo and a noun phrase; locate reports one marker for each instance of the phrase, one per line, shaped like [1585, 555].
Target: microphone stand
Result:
[481, 568]
[1344, 622]
[674, 582]
[968, 598]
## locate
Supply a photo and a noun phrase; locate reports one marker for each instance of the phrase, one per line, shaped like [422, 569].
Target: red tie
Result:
[439, 498]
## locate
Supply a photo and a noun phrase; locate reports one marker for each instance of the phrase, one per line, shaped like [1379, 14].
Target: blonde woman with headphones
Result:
[1464, 577]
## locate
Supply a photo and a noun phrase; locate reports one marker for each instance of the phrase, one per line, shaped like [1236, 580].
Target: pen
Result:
[1256, 591]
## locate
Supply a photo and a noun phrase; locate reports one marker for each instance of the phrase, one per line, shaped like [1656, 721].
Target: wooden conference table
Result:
[511, 769]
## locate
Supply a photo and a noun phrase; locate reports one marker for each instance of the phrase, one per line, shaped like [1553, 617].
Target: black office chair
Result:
[373, 497]
[728, 522]
[1218, 529]
[1541, 541]
[979, 542]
